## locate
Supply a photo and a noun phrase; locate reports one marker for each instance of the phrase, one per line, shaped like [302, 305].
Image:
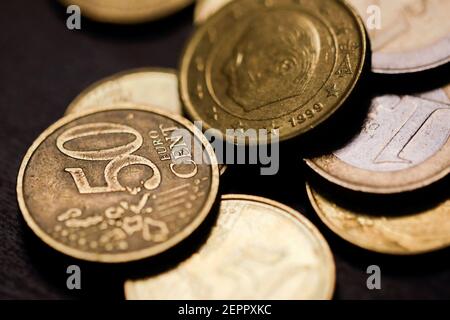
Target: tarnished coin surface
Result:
[406, 35]
[147, 86]
[127, 11]
[259, 249]
[388, 231]
[403, 145]
[117, 185]
[276, 65]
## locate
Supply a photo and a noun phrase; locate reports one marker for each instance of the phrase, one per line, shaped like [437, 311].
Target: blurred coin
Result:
[127, 11]
[406, 35]
[117, 185]
[386, 232]
[148, 86]
[403, 145]
[206, 8]
[272, 65]
[259, 249]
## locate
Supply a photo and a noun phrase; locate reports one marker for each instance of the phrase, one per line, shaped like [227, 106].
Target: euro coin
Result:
[406, 35]
[386, 231]
[403, 145]
[147, 86]
[206, 8]
[258, 249]
[279, 66]
[127, 12]
[117, 185]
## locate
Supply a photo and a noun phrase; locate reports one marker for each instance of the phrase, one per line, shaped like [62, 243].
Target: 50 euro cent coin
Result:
[117, 185]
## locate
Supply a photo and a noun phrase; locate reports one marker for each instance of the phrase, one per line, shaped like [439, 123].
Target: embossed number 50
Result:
[120, 157]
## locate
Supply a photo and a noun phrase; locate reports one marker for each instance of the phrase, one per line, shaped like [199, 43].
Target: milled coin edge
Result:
[121, 257]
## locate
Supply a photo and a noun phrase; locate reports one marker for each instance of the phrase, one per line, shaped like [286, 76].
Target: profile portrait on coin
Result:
[273, 60]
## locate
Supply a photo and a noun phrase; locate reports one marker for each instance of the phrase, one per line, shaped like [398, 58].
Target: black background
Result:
[44, 66]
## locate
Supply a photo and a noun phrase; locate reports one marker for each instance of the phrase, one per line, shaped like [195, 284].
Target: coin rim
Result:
[381, 60]
[136, 254]
[199, 5]
[189, 49]
[72, 108]
[151, 13]
[344, 235]
[343, 174]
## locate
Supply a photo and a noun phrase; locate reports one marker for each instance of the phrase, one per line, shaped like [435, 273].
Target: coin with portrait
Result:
[412, 231]
[146, 86]
[116, 185]
[258, 249]
[127, 12]
[403, 145]
[406, 35]
[278, 65]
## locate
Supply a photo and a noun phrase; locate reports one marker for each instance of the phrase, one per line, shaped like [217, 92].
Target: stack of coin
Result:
[102, 185]
[124, 176]
[402, 147]
[274, 65]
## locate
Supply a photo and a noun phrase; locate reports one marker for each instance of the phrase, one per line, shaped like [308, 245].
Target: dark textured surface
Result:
[44, 66]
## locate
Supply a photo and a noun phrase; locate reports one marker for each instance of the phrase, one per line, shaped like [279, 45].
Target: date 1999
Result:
[308, 114]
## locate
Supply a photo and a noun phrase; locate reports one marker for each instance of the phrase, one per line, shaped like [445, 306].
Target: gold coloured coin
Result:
[403, 145]
[272, 65]
[406, 35]
[259, 249]
[146, 86]
[206, 8]
[129, 11]
[116, 185]
[386, 232]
